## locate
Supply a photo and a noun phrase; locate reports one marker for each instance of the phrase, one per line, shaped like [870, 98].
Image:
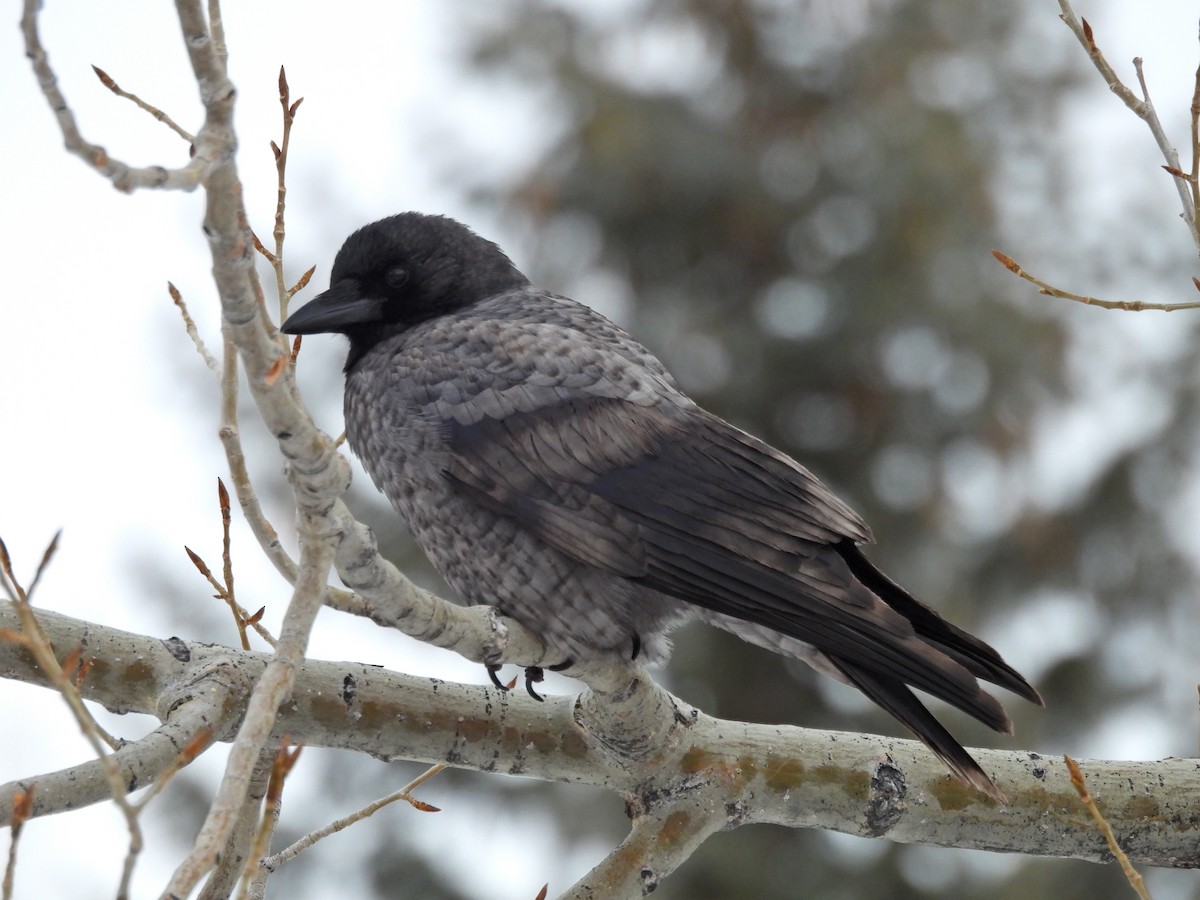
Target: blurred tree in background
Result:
[792, 203]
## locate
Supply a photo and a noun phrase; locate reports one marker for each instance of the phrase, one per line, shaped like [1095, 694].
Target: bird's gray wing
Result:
[684, 503]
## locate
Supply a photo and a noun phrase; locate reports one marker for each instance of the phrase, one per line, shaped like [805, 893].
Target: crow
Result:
[549, 465]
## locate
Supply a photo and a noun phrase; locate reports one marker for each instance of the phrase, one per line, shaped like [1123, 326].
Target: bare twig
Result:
[33, 638]
[1195, 111]
[1143, 109]
[254, 874]
[660, 840]
[272, 863]
[301, 284]
[239, 615]
[1080, 785]
[123, 176]
[190, 325]
[225, 591]
[280, 151]
[261, 709]
[239, 848]
[22, 806]
[35, 641]
[199, 742]
[107, 81]
[281, 157]
[1128, 305]
[47, 555]
[243, 487]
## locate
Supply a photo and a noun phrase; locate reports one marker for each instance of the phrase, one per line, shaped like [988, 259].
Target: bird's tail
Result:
[895, 697]
[977, 657]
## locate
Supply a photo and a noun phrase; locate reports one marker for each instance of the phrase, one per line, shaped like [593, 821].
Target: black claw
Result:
[637, 645]
[492, 670]
[565, 664]
[534, 674]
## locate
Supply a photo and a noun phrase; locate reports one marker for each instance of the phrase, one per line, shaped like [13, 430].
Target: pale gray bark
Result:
[683, 774]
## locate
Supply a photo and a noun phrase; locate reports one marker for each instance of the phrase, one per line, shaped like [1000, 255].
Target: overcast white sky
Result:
[103, 430]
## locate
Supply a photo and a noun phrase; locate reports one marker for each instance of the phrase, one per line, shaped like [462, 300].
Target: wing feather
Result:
[686, 504]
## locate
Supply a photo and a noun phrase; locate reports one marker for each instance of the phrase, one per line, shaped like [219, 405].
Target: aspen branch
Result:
[1128, 305]
[1187, 184]
[108, 82]
[123, 176]
[1142, 108]
[665, 752]
[657, 844]
[196, 712]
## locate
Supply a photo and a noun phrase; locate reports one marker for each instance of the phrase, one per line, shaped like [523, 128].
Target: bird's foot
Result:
[492, 669]
[533, 675]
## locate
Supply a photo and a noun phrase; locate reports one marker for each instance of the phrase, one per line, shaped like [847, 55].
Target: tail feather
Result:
[895, 697]
[977, 657]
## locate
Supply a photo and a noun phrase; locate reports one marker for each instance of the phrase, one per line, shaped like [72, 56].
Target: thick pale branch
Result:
[860, 784]
[657, 844]
[203, 703]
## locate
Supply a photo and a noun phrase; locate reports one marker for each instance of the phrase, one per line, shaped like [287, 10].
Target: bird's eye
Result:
[396, 277]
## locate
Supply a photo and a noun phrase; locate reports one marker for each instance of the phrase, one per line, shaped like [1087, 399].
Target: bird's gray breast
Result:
[404, 396]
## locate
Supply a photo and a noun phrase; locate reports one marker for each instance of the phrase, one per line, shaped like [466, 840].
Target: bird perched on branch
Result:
[549, 465]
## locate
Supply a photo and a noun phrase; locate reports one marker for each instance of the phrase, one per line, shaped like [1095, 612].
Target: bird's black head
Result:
[400, 271]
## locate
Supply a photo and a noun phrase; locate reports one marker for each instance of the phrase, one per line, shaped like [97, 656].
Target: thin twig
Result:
[1143, 109]
[34, 639]
[123, 176]
[1128, 305]
[281, 157]
[107, 81]
[190, 325]
[239, 847]
[241, 616]
[47, 555]
[261, 710]
[254, 875]
[22, 806]
[1080, 785]
[1195, 110]
[405, 793]
[242, 486]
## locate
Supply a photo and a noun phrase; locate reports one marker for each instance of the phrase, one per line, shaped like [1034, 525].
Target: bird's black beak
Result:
[337, 309]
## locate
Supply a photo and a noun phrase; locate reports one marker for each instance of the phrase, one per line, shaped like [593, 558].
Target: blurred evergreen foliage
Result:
[792, 203]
